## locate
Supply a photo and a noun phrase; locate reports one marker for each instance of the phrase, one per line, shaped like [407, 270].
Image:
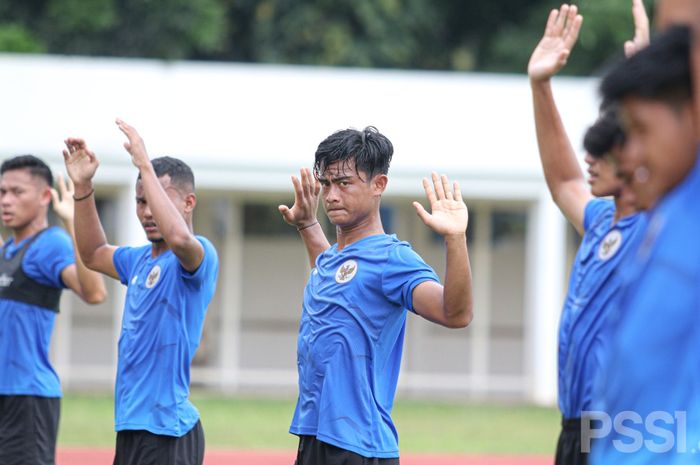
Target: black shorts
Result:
[569, 450]
[138, 447]
[314, 452]
[28, 429]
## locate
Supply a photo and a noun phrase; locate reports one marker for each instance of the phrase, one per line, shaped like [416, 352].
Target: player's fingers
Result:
[307, 182]
[298, 190]
[66, 155]
[551, 22]
[54, 197]
[572, 33]
[458, 192]
[429, 193]
[446, 187]
[561, 19]
[60, 182]
[437, 183]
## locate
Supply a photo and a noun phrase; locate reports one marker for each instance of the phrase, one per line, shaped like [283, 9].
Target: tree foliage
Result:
[482, 35]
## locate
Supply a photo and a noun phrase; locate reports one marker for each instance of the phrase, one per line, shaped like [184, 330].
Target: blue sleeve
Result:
[404, 271]
[124, 259]
[208, 270]
[595, 210]
[48, 256]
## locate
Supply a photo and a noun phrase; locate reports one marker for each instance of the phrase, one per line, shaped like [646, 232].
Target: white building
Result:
[245, 129]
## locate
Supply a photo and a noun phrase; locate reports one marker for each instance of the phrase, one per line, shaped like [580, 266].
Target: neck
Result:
[623, 208]
[158, 248]
[28, 230]
[369, 226]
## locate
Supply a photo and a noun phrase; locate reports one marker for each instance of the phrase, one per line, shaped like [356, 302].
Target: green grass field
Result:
[249, 423]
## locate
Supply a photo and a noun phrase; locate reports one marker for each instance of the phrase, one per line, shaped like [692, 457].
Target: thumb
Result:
[284, 210]
[422, 213]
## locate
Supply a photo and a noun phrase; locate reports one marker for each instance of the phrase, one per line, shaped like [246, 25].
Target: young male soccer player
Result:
[170, 283]
[610, 228]
[354, 309]
[651, 377]
[37, 263]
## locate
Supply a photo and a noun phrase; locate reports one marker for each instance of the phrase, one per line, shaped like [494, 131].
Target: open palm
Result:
[81, 162]
[448, 212]
[559, 38]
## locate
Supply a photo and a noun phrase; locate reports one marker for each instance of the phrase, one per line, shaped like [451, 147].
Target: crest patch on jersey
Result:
[610, 245]
[346, 272]
[153, 277]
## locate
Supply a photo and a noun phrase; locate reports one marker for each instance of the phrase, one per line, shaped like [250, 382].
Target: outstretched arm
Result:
[302, 215]
[641, 29]
[171, 224]
[90, 240]
[562, 172]
[449, 305]
[87, 284]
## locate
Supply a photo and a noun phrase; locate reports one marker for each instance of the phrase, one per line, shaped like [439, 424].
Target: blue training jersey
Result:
[593, 286]
[652, 377]
[25, 330]
[351, 340]
[161, 328]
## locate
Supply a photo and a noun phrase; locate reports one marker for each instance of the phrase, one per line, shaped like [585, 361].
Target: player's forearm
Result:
[457, 293]
[92, 284]
[556, 153]
[89, 234]
[315, 242]
[171, 224]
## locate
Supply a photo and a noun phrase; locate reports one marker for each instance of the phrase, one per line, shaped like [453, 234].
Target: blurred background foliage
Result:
[465, 35]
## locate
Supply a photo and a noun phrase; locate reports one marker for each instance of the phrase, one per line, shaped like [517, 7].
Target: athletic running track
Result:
[91, 456]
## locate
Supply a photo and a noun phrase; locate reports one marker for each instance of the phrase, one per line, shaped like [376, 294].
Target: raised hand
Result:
[559, 38]
[641, 29]
[81, 162]
[449, 215]
[306, 197]
[135, 145]
[63, 203]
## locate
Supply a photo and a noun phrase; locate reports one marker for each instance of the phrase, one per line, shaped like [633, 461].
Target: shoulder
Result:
[53, 238]
[596, 211]
[126, 253]
[209, 248]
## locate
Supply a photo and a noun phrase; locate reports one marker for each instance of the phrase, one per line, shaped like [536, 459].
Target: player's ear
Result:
[46, 197]
[190, 202]
[379, 183]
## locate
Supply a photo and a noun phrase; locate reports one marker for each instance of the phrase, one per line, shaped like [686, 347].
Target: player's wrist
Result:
[83, 188]
[455, 238]
[306, 225]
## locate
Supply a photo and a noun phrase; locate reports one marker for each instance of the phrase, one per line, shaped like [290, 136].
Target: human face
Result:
[350, 198]
[23, 198]
[143, 210]
[670, 12]
[660, 149]
[603, 176]
[687, 12]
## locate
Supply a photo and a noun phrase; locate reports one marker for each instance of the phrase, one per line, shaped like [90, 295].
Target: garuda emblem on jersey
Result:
[610, 245]
[346, 272]
[153, 277]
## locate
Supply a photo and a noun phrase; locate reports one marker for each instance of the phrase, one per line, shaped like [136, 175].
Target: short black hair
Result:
[370, 150]
[35, 165]
[604, 135]
[181, 175]
[660, 71]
